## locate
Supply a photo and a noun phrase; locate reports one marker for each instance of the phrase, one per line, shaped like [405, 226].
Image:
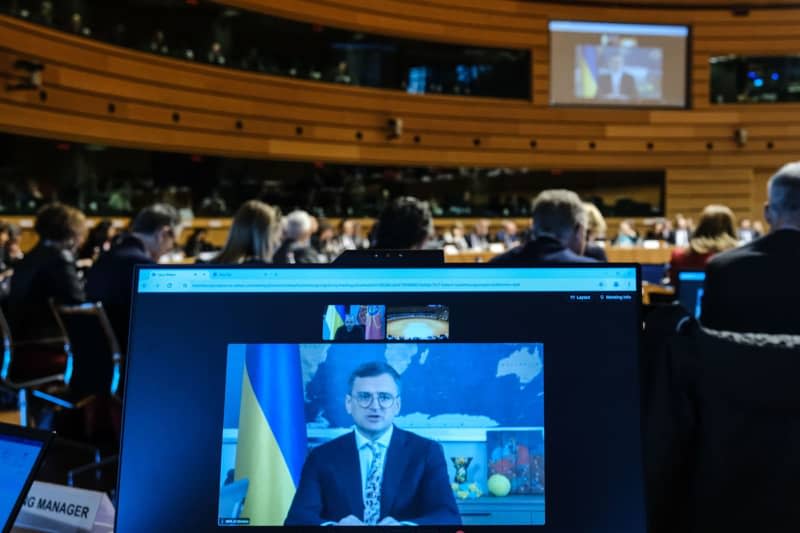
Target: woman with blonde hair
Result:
[716, 232]
[595, 231]
[253, 237]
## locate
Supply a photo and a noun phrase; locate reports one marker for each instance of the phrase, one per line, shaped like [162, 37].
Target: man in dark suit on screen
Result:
[756, 287]
[350, 331]
[377, 474]
[617, 84]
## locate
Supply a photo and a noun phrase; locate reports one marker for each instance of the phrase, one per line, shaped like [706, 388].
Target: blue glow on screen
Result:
[692, 276]
[17, 457]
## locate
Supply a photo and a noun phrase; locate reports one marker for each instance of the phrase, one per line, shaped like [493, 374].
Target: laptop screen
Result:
[18, 457]
[470, 395]
[690, 290]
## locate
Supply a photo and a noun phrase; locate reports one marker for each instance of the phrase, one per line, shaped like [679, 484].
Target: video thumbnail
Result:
[354, 323]
[383, 434]
[421, 322]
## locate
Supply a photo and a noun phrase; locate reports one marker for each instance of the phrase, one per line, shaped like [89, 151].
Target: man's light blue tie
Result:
[372, 494]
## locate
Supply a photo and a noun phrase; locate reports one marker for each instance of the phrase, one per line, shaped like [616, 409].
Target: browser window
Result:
[458, 396]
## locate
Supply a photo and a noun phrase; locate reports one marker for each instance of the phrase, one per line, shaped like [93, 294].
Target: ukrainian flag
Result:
[334, 317]
[587, 68]
[272, 441]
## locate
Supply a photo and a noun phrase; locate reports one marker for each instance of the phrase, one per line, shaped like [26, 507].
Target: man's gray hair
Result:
[556, 213]
[784, 191]
[297, 225]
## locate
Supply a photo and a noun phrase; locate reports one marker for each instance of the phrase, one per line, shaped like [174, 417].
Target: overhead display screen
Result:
[611, 64]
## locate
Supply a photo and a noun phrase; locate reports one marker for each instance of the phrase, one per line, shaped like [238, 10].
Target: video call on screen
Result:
[609, 64]
[476, 371]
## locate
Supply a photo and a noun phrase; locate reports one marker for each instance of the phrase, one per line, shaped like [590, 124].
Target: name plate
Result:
[50, 507]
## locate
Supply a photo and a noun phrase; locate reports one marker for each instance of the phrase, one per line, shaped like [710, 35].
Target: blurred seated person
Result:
[508, 234]
[153, 232]
[77, 26]
[455, 237]
[47, 272]
[253, 61]
[754, 288]
[479, 238]
[626, 235]
[298, 226]
[31, 197]
[158, 44]
[682, 233]
[351, 330]
[405, 224]
[350, 235]
[98, 241]
[215, 56]
[5, 236]
[197, 243]
[213, 204]
[341, 74]
[5, 268]
[13, 248]
[758, 229]
[45, 13]
[559, 231]
[325, 242]
[254, 234]
[746, 231]
[596, 229]
[715, 233]
[657, 232]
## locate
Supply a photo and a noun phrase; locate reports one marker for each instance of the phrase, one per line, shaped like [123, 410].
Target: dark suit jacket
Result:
[756, 287]
[596, 252]
[415, 485]
[110, 281]
[541, 250]
[358, 333]
[45, 272]
[627, 86]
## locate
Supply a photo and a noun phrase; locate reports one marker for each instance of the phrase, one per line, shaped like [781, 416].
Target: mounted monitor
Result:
[489, 396]
[611, 64]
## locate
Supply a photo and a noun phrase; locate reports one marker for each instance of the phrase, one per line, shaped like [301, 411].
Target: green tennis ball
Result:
[499, 485]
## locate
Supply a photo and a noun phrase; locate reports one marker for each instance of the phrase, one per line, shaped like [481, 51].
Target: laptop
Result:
[21, 452]
[508, 398]
[689, 290]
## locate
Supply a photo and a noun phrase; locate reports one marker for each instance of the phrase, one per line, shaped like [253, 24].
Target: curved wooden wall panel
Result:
[285, 118]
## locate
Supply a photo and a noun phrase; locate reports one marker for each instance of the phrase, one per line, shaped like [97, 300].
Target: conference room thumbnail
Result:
[417, 322]
[354, 323]
[461, 424]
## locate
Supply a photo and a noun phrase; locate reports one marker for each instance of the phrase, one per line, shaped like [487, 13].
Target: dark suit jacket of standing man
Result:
[756, 287]
[627, 86]
[415, 486]
[110, 281]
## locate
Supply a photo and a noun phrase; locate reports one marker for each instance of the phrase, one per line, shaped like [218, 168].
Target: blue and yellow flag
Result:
[272, 431]
[334, 317]
[587, 65]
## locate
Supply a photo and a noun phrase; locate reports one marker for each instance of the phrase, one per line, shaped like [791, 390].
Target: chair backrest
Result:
[93, 346]
[726, 425]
